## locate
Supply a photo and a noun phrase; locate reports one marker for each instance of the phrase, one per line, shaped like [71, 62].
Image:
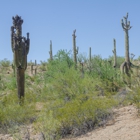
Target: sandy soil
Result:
[125, 126]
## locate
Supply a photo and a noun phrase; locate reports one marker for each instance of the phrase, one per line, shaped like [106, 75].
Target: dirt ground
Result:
[124, 126]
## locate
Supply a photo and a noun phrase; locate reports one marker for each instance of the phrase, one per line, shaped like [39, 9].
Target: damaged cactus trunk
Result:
[20, 82]
[20, 48]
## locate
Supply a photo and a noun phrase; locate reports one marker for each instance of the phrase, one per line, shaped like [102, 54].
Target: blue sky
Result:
[97, 23]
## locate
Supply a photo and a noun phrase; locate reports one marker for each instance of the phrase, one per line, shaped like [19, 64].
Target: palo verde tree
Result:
[75, 50]
[20, 48]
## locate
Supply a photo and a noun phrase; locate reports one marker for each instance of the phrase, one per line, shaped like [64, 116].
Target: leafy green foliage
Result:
[5, 63]
[59, 101]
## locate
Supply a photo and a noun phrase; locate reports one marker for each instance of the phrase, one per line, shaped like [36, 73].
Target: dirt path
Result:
[125, 126]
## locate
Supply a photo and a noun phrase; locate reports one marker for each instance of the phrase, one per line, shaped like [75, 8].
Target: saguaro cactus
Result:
[34, 68]
[50, 52]
[20, 47]
[125, 67]
[75, 50]
[89, 54]
[114, 52]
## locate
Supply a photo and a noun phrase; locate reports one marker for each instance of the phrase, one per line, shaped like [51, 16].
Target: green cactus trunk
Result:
[115, 56]
[50, 52]
[35, 67]
[125, 67]
[34, 70]
[31, 68]
[75, 50]
[89, 54]
[20, 82]
[127, 58]
[20, 47]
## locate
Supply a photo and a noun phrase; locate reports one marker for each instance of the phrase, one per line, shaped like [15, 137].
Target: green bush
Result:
[5, 63]
[60, 101]
[12, 113]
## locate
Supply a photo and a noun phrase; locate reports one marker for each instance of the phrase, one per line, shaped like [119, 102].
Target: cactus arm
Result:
[77, 50]
[27, 44]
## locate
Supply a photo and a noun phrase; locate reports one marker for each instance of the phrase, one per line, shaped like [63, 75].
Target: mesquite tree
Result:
[20, 48]
[75, 50]
[114, 52]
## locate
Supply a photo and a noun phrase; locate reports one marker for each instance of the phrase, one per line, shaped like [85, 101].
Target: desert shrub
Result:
[135, 96]
[11, 83]
[120, 60]
[110, 77]
[75, 117]
[3, 82]
[12, 113]
[30, 63]
[59, 101]
[60, 64]
[5, 63]
[43, 65]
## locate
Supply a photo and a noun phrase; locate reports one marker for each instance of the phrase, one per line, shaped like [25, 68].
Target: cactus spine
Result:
[50, 52]
[20, 47]
[114, 52]
[75, 50]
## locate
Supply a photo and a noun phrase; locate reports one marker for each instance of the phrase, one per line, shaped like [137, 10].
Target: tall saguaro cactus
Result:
[20, 47]
[114, 52]
[50, 52]
[75, 50]
[90, 60]
[125, 67]
[34, 68]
